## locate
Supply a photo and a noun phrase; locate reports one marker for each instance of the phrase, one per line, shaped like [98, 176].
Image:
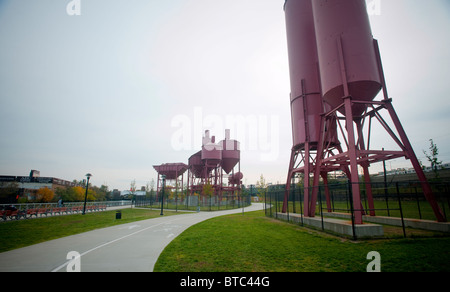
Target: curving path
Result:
[131, 247]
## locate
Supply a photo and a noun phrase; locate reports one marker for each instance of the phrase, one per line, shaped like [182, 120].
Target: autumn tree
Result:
[99, 193]
[45, 195]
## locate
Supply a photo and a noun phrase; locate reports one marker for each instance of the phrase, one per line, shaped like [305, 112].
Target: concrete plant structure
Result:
[207, 168]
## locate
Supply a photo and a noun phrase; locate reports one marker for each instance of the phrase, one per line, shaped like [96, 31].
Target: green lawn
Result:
[255, 243]
[16, 234]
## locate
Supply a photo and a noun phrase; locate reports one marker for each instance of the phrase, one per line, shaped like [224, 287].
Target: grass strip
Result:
[255, 243]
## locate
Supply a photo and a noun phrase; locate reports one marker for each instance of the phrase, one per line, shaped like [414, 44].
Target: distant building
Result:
[399, 171]
[136, 193]
[29, 185]
[116, 194]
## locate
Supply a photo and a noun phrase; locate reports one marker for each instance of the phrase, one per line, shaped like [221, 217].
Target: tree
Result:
[8, 192]
[100, 193]
[433, 158]
[208, 190]
[45, 195]
[79, 193]
[261, 186]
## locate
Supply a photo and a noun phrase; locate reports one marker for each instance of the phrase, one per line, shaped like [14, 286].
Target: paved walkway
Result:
[132, 247]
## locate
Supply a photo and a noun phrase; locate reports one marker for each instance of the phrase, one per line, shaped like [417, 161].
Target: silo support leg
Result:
[415, 162]
[356, 195]
[288, 182]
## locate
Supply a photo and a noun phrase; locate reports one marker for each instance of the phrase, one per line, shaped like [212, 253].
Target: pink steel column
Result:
[410, 152]
[288, 182]
[354, 179]
[306, 186]
[327, 190]
[319, 157]
[365, 167]
[415, 162]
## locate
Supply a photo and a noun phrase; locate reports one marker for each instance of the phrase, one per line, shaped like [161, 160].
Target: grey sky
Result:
[99, 92]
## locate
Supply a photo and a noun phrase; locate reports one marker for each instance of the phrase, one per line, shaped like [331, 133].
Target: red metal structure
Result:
[172, 172]
[307, 105]
[231, 164]
[207, 166]
[351, 77]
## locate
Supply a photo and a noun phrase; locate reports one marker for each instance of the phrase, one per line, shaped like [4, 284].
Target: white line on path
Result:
[107, 243]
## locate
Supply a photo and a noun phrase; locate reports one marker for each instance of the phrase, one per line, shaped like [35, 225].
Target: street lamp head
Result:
[88, 175]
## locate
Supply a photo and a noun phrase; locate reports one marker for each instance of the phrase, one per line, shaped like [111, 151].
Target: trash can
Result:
[119, 214]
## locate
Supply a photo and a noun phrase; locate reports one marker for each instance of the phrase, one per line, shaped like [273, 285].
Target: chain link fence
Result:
[395, 199]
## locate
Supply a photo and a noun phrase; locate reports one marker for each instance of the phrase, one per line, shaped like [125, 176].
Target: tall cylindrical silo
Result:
[306, 101]
[343, 25]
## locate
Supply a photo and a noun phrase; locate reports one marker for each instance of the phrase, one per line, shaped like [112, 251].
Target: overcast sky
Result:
[129, 84]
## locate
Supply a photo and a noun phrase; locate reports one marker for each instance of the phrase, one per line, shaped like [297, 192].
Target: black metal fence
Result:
[194, 203]
[396, 199]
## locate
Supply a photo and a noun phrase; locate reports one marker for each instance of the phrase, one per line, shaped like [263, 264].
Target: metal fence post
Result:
[350, 192]
[321, 211]
[418, 202]
[301, 207]
[288, 219]
[400, 207]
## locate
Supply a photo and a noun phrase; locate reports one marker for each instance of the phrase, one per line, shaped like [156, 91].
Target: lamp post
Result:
[85, 196]
[162, 196]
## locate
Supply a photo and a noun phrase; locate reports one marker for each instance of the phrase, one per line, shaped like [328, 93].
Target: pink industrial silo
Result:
[211, 151]
[346, 52]
[196, 165]
[351, 75]
[171, 171]
[212, 158]
[231, 153]
[306, 101]
[206, 168]
[307, 105]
